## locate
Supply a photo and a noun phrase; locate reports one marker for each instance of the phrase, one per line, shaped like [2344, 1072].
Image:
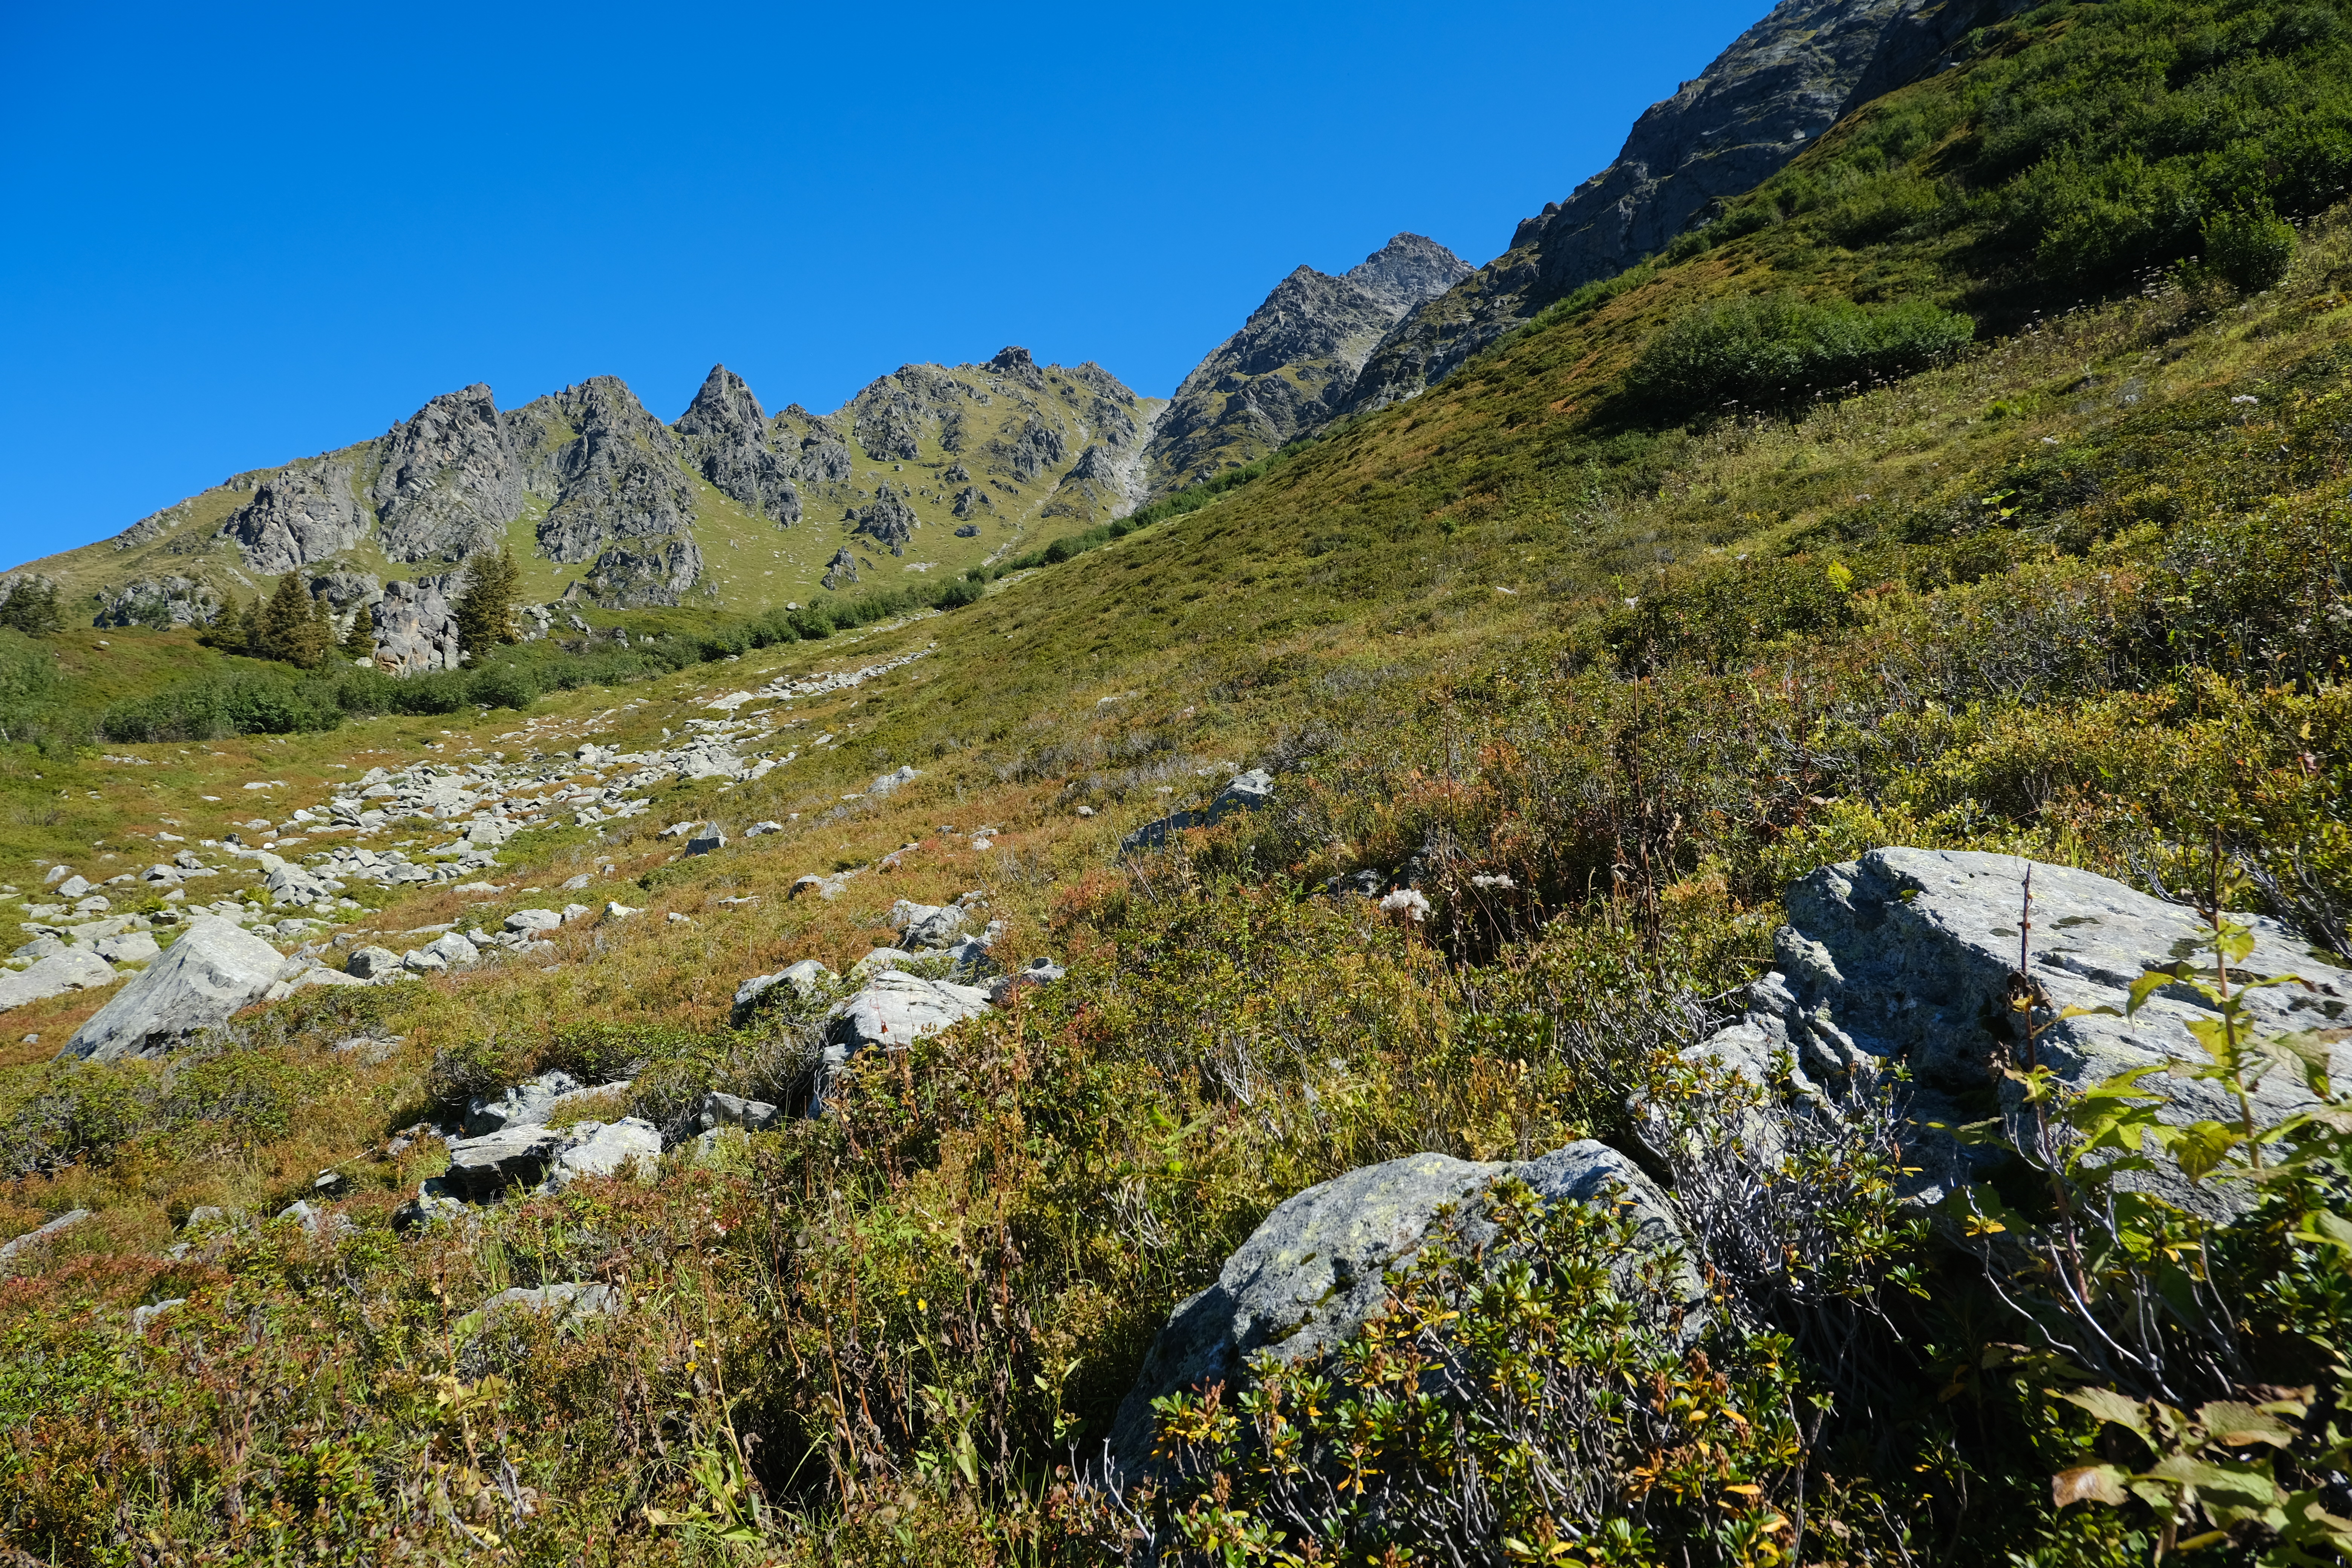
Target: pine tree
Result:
[486, 610]
[292, 627]
[359, 641]
[31, 606]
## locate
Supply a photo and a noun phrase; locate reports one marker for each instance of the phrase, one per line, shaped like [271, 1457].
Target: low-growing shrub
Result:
[1776, 351]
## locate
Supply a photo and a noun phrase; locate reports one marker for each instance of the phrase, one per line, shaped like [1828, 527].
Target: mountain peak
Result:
[725, 403]
[1407, 271]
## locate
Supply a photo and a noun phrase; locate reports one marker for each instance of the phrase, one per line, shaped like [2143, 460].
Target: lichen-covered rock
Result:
[1313, 1272]
[214, 969]
[1904, 956]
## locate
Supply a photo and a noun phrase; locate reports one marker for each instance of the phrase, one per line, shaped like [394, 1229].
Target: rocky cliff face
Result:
[728, 441]
[447, 480]
[1774, 91]
[303, 514]
[1290, 365]
[616, 485]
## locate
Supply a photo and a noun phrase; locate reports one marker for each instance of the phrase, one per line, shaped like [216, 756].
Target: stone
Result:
[431, 1204]
[452, 948]
[574, 912]
[758, 828]
[732, 1111]
[631, 1146]
[130, 947]
[324, 1224]
[616, 910]
[895, 1008]
[143, 1315]
[213, 970]
[803, 977]
[69, 969]
[707, 843]
[936, 927]
[371, 962]
[73, 888]
[879, 959]
[573, 884]
[486, 1168]
[1036, 972]
[1246, 792]
[1904, 956]
[12, 1250]
[523, 920]
[526, 1104]
[568, 1302]
[1312, 1272]
[888, 784]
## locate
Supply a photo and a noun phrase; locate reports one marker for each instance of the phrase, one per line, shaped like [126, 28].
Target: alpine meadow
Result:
[1684, 899]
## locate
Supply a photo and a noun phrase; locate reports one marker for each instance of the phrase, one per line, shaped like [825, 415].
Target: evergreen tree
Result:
[32, 607]
[292, 628]
[486, 610]
[359, 641]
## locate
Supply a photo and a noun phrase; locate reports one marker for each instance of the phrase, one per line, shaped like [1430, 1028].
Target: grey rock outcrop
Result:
[729, 442]
[214, 969]
[74, 969]
[1771, 94]
[303, 514]
[1246, 792]
[416, 626]
[450, 480]
[536, 1158]
[526, 1104]
[803, 978]
[1290, 366]
[892, 1009]
[1313, 1272]
[842, 570]
[895, 416]
[1905, 955]
[618, 494]
[173, 599]
[889, 521]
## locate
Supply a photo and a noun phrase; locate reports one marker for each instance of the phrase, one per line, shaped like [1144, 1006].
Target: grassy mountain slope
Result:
[2077, 595]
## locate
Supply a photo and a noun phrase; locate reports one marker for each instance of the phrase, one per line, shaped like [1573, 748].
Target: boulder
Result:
[71, 969]
[707, 842]
[937, 929]
[629, 1146]
[371, 962]
[1904, 956]
[527, 1104]
[895, 1008]
[483, 1169]
[803, 977]
[1245, 792]
[452, 949]
[523, 920]
[887, 783]
[1312, 1272]
[213, 970]
[567, 1303]
[732, 1111]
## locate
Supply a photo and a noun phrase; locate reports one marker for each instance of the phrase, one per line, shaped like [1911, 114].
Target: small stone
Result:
[370, 962]
[616, 910]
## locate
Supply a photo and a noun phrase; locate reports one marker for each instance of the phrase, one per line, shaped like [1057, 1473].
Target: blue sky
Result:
[243, 233]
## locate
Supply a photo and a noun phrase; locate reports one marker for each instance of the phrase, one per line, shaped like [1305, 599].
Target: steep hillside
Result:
[851, 1233]
[1286, 373]
[606, 506]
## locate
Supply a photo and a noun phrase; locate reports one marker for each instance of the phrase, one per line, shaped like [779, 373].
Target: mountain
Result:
[1285, 372]
[1780, 85]
[603, 503]
[789, 1091]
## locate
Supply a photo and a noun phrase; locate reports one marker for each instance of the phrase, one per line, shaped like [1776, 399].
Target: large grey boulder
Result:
[893, 1008]
[1904, 956]
[214, 969]
[71, 969]
[631, 1146]
[803, 977]
[1313, 1272]
[486, 1168]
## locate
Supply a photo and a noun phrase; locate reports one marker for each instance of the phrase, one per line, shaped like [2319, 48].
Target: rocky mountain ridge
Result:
[1289, 368]
[1772, 94]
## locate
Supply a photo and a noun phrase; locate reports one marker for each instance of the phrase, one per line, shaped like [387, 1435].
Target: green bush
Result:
[1775, 351]
[2251, 249]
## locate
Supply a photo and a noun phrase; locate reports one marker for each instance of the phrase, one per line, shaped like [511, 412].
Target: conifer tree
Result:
[486, 610]
[292, 627]
[359, 641]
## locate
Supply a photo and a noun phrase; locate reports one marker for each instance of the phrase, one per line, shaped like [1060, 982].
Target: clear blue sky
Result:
[241, 234]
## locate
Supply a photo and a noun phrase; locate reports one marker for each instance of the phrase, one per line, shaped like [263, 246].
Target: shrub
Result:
[2251, 249]
[1775, 351]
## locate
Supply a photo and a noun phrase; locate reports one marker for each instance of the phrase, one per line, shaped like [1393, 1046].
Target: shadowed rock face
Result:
[1283, 372]
[620, 497]
[450, 479]
[728, 440]
[1772, 94]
